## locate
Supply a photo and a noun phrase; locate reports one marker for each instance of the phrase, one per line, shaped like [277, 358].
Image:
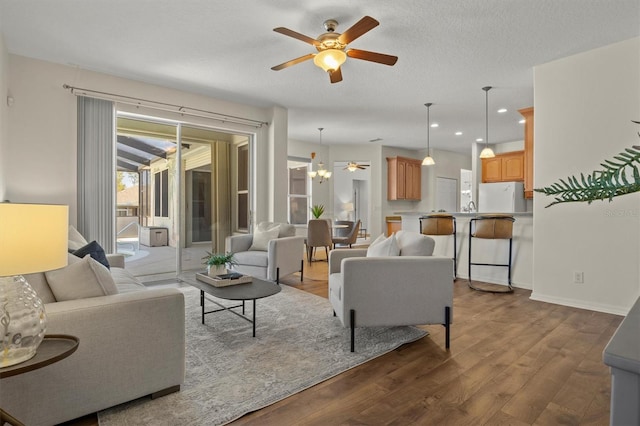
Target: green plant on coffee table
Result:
[317, 210]
[219, 259]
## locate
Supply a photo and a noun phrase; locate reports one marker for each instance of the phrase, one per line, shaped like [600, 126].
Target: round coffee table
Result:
[256, 289]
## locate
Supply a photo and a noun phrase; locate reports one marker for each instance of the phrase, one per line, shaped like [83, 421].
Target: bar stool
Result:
[492, 227]
[441, 224]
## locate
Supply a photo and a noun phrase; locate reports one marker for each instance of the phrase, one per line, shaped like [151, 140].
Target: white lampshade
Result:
[33, 238]
[330, 59]
[428, 161]
[348, 207]
[487, 153]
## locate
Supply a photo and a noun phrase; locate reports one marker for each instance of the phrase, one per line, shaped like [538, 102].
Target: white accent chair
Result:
[413, 288]
[281, 256]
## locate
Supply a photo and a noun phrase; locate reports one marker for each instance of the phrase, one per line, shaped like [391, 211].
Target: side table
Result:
[54, 347]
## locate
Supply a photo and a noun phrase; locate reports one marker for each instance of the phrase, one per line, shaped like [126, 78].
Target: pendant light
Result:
[428, 161]
[486, 152]
[322, 173]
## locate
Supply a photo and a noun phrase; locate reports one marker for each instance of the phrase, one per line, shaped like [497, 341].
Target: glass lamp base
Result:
[23, 321]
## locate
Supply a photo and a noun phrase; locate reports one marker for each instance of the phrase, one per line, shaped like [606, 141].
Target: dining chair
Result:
[350, 238]
[318, 235]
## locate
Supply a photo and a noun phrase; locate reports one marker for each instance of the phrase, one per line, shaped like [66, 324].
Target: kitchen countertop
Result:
[462, 214]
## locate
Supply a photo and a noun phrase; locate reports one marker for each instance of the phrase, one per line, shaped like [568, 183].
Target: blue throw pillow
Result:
[94, 250]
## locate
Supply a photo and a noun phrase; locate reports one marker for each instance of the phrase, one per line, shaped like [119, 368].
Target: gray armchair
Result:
[282, 255]
[414, 288]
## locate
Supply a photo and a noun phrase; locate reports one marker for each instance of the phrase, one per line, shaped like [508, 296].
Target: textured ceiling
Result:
[448, 50]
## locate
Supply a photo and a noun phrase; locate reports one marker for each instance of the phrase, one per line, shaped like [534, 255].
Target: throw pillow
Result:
[383, 246]
[261, 238]
[414, 244]
[94, 250]
[76, 240]
[80, 280]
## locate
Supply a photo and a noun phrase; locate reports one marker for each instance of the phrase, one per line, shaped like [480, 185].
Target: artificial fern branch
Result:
[619, 176]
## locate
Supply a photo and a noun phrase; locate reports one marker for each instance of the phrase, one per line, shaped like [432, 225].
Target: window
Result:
[299, 196]
[161, 199]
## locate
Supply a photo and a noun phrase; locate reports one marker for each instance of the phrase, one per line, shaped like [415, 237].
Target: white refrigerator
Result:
[501, 197]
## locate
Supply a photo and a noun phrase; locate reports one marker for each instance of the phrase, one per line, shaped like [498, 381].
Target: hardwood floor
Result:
[512, 361]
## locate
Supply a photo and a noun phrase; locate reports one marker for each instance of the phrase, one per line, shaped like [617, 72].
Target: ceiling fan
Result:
[332, 47]
[352, 166]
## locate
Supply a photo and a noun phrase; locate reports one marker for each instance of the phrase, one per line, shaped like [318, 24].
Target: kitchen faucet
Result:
[471, 207]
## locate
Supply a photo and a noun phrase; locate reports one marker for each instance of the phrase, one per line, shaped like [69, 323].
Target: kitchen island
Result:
[485, 251]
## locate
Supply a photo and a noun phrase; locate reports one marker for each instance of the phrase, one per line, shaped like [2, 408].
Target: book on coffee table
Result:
[223, 280]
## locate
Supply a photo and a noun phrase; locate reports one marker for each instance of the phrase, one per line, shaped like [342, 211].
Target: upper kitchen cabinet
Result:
[404, 177]
[527, 113]
[507, 167]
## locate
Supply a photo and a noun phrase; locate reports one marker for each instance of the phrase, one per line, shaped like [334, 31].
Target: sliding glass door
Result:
[181, 192]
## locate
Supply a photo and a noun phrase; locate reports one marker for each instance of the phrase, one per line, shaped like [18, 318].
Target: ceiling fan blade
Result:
[293, 62]
[336, 76]
[364, 25]
[296, 35]
[380, 58]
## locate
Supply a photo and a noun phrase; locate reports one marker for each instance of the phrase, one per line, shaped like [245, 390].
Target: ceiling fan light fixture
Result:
[352, 167]
[330, 59]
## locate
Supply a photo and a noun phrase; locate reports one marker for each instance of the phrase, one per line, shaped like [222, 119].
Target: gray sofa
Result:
[132, 344]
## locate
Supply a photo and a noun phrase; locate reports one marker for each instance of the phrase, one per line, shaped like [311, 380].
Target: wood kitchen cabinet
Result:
[404, 176]
[507, 167]
[527, 113]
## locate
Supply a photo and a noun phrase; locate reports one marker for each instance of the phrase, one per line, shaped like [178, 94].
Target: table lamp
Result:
[33, 238]
[348, 207]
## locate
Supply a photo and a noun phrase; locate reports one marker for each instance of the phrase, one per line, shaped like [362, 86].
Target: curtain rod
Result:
[163, 106]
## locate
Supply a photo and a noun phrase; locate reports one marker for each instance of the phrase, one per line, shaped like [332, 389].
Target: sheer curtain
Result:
[96, 170]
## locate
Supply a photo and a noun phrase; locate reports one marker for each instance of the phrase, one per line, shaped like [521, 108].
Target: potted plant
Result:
[317, 210]
[217, 263]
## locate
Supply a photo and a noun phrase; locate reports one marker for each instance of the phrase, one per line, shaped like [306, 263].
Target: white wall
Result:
[320, 193]
[584, 105]
[40, 160]
[4, 111]
[371, 154]
[501, 148]
[448, 165]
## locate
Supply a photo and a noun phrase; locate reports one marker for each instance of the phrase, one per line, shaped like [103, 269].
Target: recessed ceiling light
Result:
[502, 110]
[479, 140]
[435, 125]
[522, 121]
[458, 133]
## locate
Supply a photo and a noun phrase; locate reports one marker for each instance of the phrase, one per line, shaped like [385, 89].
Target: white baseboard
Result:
[581, 304]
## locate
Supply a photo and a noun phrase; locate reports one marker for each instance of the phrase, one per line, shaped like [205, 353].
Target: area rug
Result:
[298, 343]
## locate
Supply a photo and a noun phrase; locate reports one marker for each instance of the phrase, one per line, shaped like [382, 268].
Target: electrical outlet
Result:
[578, 277]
